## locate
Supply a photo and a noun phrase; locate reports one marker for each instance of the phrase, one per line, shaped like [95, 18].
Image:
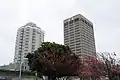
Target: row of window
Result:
[78, 43]
[72, 37]
[76, 20]
[71, 27]
[86, 23]
[84, 44]
[87, 39]
[71, 21]
[80, 30]
[88, 47]
[26, 48]
[82, 50]
[27, 42]
[87, 31]
[78, 34]
[27, 34]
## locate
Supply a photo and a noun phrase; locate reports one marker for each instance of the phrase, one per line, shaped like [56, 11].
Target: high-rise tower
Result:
[29, 38]
[79, 35]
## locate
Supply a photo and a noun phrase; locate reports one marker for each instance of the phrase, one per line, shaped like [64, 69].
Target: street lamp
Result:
[21, 64]
[20, 70]
[36, 74]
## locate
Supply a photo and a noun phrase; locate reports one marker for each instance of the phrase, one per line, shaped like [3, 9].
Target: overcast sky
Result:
[49, 16]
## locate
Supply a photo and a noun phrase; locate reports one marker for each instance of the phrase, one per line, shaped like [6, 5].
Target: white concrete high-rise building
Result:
[79, 35]
[29, 38]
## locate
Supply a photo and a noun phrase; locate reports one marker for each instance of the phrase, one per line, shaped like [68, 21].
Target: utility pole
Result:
[20, 66]
[36, 75]
[20, 70]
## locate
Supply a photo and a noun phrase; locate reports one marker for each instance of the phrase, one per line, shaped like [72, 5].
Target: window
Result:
[77, 41]
[26, 38]
[86, 22]
[71, 27]
[33, 41]
[71, 37]
[20, 52]
[65, 32]
[71, 42]
[77, 25]
[76, 19]
[27, 32]
[22, 30]
[33, 36]
[91, 26]
[21, 39]
[28, 29]
[77, 31]
[71, 34]
[82, 20]
[21, 35]
[26, 41]
[70, 22]
[33, 46]
[26, 50]
[65, 24]
[20, 47]
[26, 47]
[19, 60]
[78, 49]
[33, 33]
[27, 35]
[73, 49]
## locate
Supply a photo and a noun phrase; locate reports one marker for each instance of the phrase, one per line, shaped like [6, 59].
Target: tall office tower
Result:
[79, 35]
[29, 38]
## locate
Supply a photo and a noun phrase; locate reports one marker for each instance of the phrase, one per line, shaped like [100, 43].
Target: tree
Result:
[54, 60]
[111, 65]
[90, 68]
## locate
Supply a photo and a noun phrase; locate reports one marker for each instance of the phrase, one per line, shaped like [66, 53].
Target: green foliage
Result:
[54, 48]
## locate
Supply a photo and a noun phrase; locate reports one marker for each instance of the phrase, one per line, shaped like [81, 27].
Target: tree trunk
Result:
[90, 78]
[118, 78]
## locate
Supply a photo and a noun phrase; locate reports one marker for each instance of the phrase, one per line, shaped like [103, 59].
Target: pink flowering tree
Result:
[111, 66]
[91, 68]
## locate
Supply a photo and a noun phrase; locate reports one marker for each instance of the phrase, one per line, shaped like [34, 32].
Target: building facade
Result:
[79, 35]
[29, 38]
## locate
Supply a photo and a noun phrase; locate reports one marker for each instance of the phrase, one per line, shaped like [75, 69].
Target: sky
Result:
[49, 16]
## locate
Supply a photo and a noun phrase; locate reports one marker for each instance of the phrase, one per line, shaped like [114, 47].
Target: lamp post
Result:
[20, 70]
[21, 64]
[36, 74]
